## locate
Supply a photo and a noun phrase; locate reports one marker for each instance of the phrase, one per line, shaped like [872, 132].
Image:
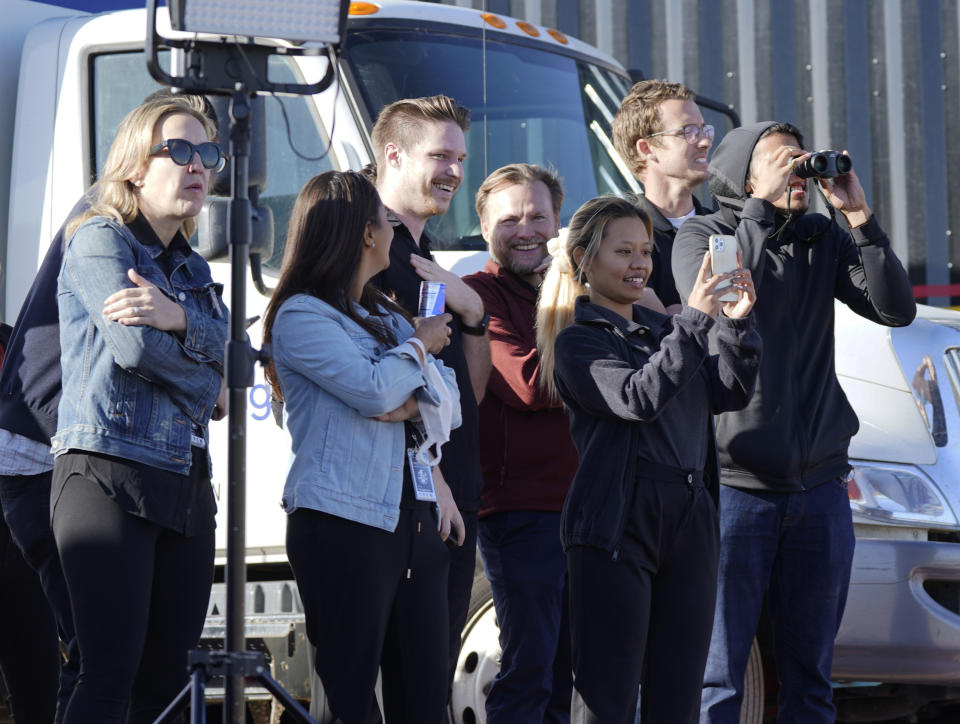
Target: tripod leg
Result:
[198, 704]
[177, 706]
[297, 712]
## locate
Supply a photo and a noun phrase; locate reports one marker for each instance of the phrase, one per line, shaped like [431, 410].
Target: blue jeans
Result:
[797, 548]
[26, 509]
[527, 569]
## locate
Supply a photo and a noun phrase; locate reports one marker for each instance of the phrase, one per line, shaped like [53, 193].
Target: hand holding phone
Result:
[723, 259]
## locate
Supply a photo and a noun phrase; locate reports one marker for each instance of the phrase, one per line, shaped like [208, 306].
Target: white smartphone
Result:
[723, 259]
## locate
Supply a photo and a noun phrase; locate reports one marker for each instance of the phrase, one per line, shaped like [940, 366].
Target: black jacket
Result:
[795, 432]
[661, 278]
[617, 378]
[30, 377]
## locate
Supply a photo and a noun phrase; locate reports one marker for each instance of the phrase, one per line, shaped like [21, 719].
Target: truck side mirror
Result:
[212, 224]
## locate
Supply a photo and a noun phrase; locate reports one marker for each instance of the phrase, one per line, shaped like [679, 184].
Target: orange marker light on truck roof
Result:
[558, 36]
[363, 8]
[529, 29]
[494, 20]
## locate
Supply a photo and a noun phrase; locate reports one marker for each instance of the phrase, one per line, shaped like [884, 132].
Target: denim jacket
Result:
[135, 391]
[335, 379]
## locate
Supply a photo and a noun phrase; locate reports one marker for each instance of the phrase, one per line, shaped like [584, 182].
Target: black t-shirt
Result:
[181, 503]
[146, 235]
[460, 463]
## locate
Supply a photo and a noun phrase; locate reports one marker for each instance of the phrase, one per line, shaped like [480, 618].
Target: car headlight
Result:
[898, 496]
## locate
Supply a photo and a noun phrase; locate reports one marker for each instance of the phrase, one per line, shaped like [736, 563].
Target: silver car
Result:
[898, 650]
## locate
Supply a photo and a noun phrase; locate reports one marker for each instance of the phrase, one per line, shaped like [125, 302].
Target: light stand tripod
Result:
[225, 68]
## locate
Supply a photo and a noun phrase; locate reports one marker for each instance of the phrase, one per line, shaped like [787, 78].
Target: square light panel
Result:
[295, 20]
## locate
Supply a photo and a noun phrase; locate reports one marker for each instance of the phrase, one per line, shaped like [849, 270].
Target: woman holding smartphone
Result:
[366, 545]
[640, 521]
[142, 333]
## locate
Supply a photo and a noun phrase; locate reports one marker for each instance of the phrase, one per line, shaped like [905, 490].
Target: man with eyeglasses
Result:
[660, 133]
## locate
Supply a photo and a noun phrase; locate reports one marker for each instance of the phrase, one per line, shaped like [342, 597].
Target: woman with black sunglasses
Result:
[142, 333]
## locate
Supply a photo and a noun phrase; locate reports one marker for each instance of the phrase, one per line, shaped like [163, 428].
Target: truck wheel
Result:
[751, 710]
[479, 662]
[479, 659]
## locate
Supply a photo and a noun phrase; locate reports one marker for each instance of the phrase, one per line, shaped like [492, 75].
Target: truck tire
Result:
[479, 662]
[479, 659]
[751, 710]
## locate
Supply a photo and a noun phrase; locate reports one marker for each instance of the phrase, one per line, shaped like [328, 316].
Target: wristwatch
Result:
[479, 330]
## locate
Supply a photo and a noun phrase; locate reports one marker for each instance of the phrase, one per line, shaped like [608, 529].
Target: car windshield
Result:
[526, 103]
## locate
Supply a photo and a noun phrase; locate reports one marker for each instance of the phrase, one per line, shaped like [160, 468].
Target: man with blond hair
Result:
[419, 148]
[660, 133]
[526, 453]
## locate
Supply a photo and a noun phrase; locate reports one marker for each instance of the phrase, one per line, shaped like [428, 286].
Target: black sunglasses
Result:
[181, 153]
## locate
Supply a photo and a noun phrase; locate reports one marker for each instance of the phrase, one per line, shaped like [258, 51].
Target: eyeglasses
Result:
[182, 151]
[692, 133]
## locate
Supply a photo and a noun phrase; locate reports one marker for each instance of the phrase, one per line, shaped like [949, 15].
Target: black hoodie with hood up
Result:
[795, 432]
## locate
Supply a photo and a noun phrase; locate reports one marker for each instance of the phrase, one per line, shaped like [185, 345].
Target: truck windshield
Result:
[527, 104]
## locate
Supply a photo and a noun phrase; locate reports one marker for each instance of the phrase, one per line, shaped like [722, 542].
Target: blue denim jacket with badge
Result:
[335, 379]
[134, 391]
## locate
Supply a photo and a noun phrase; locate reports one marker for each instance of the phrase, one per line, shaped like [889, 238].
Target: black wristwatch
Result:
[479, 330]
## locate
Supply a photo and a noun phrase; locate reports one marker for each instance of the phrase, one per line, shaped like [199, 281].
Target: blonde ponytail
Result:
[558, 294]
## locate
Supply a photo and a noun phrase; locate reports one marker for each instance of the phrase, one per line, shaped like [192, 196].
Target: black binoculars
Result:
[824, 164]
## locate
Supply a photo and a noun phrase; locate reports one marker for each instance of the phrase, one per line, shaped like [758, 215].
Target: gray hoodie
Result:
[794, 433]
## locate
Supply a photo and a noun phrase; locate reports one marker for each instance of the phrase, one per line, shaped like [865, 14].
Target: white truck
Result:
[538, 96]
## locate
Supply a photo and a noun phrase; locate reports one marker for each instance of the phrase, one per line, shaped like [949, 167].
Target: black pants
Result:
[26, 510]
[371, 599]
[139, 595]
[463, 568]
[29, 645]
[644, 614]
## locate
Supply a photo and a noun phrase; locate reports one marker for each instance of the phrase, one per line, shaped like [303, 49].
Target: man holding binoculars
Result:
[785, 522]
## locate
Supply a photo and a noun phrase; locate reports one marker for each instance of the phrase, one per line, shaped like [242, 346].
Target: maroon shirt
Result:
[526, 453]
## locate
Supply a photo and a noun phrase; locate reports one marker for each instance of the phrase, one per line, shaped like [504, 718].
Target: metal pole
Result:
[239, 369]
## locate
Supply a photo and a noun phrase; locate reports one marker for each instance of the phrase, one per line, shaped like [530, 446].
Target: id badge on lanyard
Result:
[422, 476]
